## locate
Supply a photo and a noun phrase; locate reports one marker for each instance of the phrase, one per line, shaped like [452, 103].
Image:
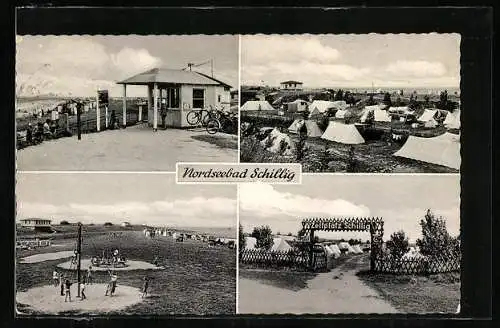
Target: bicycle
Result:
[197, 116]
[227, 122]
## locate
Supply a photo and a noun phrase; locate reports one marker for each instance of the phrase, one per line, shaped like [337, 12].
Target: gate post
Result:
[372, 255]
[311, 250]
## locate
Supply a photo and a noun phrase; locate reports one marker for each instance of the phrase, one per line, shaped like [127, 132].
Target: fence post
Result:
[106, 117]
[311, 250]
[140, 113]
[372, 256]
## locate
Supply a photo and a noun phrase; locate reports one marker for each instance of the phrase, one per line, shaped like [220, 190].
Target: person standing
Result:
[145, 287]
[164, 114]
[29, 134]
[89, 275]
[61, 283]
[82, 291]
[55, 278]
[67, 290]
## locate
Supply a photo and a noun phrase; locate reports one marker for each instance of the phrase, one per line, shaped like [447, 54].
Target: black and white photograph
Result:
[124, 244]
[374, 103]
[126, 102]
[346, 244]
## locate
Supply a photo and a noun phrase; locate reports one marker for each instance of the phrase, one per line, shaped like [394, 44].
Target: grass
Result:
[417, 294]
[222, 141]
[287, 279]
[197, 279]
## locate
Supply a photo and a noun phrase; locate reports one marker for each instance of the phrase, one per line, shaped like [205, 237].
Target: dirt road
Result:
[135, 148]
[337, 291]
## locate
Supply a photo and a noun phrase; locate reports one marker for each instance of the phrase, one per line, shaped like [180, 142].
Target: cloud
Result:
[258, 49]
[197, 211]
[130, 61]
[419, 68]
[77, 65]
[264, 201]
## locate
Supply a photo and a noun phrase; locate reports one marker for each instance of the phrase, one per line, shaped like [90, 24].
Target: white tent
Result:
[399, 110]
[174, 235]
[357, 249]
[343, 133]
[442, 150]
[314, 112]
[329, 257]
[452, 120]
[276, 137]
[432, 123]
[322, 105]
[340, 104]
[296, 126]
[256, 105]
[341, 113]
[250, 242]
[336, 250]
[428, 115]
[280, 245]
[343, 245]
[381, 115]
[312, 128]
[297, 105]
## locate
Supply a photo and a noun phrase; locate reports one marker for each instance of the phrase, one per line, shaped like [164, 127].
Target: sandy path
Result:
[47, 257]
[136, 148]
[131, 265]
[323, 294]
[47, 299]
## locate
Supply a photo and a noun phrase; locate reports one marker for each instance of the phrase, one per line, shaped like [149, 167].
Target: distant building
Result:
[291, 86]
[36, 224]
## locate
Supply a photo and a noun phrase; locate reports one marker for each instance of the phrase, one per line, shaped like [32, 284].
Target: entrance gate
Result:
[374, 225]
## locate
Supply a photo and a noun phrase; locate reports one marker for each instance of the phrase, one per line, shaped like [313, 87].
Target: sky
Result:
[80, 64]
[401, 200]
[153, 199]
[350, 60]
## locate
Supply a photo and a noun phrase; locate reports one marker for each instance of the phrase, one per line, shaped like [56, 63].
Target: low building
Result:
[36, 224]
[179, 91]
[291, 86]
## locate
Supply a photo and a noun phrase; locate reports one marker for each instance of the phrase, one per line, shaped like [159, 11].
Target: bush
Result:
[64, 222]
[263, 235]
[436, 240]
[398, 245]
[108, 224]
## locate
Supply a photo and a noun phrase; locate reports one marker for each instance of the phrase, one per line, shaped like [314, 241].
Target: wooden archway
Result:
[374, 225]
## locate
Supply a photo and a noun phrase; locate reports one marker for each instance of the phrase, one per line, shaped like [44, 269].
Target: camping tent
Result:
[442, 150]
[452, 120]
[250, 242]
[336, 250]
[342, 133]
[381, 115]
[296, 126]
[314, 112]
[341, 113]
[297, 105]
[276, 137]
[312, 128]
[428, 115]
[322, 105]
[357, 249]
[340, 104]
[280, 245]
[399, 110]
[255, 105]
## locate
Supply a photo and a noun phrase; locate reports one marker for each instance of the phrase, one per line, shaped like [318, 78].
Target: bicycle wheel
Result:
[193, 117]
[213, 126]
[205, 116]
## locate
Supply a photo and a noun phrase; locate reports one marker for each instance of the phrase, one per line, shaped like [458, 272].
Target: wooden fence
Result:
[279, 259]
[418, 265]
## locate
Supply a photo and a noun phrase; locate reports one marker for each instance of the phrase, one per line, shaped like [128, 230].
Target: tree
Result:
[398, 245]
[351, 162]
[339, 95]
[108, 224]
[263, 235]
[64, 222]
[289, 234]
[435, 238]
[300, 147]
[387, 99]
[305, 114]
[371, 101]
[443, 100]
[241, 238]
